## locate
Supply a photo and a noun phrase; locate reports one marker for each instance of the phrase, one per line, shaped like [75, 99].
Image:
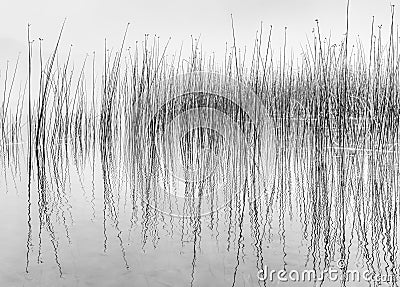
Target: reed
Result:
[329, 126]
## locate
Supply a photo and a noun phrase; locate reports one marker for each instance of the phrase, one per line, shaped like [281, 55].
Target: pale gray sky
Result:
[90, 21]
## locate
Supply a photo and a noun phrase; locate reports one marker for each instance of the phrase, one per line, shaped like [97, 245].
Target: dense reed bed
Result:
[206, 145]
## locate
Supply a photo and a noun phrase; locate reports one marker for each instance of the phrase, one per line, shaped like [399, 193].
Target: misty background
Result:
[178, 23]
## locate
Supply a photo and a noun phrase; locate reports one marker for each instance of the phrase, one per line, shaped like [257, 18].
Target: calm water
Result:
[101, 217]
